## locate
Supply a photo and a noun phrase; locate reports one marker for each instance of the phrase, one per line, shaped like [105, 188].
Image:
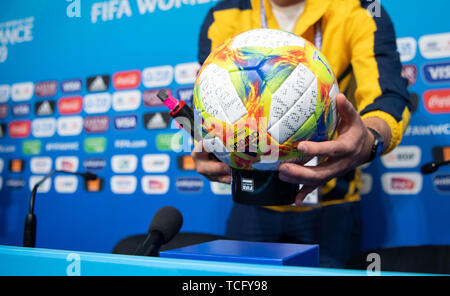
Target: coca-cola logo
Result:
[70, 105]
[19, 129]
[126, 80]
[437, 100]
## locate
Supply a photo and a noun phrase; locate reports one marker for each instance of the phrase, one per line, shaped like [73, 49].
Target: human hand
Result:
[211, 168]
[351, 148]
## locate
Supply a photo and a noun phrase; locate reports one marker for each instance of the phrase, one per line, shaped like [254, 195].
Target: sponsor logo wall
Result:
[426, 66]
[109, 124]
[93, 106]
[394, 184]
[429, 125]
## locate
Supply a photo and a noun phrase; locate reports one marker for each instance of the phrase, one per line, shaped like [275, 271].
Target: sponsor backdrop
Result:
[78, 84]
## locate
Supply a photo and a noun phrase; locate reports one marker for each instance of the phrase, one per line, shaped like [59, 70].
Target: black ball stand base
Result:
[262, 188]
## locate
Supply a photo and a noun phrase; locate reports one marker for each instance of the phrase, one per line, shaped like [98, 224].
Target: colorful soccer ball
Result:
[259, 94]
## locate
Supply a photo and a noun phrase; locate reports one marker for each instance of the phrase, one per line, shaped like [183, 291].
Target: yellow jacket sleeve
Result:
[380, 90]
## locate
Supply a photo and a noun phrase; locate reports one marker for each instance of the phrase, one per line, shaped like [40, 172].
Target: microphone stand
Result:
[29, 235]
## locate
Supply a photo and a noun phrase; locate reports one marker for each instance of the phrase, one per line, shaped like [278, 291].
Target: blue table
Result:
[249, 252]
[16, 261]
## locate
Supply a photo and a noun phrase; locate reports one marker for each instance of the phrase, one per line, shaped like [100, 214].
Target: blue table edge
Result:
[124, 264]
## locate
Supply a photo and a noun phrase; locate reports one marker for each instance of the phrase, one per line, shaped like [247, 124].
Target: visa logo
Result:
[21, 109]
[437, 72]
[69, 86]
[125, 122]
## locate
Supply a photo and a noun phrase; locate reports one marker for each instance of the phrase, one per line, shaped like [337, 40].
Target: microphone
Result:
[166, 223]
[29, 234]
[431, 167]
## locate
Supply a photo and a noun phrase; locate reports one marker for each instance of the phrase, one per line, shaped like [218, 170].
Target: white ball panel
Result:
[290, 91]
[296, 116]
[267, 38]
[219, 96]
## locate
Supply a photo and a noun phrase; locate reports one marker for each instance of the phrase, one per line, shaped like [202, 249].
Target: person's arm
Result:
[382, 104]
[381, 95]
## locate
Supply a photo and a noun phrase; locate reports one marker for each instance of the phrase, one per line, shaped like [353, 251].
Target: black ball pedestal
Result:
[262, 188]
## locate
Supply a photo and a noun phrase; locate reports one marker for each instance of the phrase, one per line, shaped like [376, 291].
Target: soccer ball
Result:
[259, 94]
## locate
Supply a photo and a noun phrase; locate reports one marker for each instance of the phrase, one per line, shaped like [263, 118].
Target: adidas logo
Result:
[98, 83]
[2, 130]
[45, 108]
[156, 120]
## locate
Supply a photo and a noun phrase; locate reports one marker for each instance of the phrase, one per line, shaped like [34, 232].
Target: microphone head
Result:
[168, 221]
[88, 176]
[429, 168]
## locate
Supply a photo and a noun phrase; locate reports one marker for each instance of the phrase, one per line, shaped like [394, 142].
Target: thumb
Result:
[345, 108]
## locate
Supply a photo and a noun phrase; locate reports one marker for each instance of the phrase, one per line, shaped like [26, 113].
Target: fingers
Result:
[212, 169]
[325, 149]
[307, 188]
[350, 131]
[223, 179]
[310, 175]
[303, 193]
[345, 109]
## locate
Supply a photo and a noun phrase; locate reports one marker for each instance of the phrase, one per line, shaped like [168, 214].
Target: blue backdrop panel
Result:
[122, 52]
[403, 207]
[64, 48]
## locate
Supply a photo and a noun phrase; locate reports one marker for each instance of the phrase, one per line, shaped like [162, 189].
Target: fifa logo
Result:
[15, 32]
[74, 8]
[247, 185]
